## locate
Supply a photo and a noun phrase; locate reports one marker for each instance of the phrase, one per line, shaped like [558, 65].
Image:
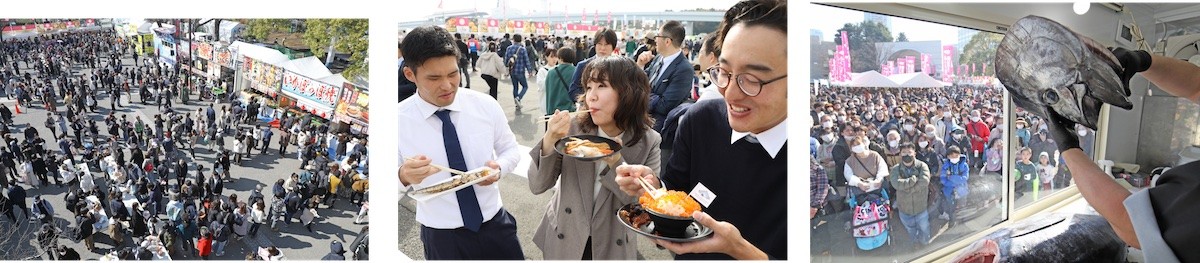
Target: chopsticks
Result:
[443, 168]
[548, 117]
[655, 193]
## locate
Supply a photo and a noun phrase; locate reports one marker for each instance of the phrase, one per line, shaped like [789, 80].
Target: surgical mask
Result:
[907, 158]
[893, 144]
[958, 136]
[850, 138]
[1020, 127]
[827, 124]
[954, 160]
[909, 127]
[842, 118]
[923, 144]
[975, 118]
[1082, 133]
[946, 115]
[858, 149]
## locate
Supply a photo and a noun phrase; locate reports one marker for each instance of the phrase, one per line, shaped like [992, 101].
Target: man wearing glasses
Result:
[670, 73]
[735, 148]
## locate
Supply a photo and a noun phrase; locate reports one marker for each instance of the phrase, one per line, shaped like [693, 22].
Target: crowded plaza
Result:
[115, 149]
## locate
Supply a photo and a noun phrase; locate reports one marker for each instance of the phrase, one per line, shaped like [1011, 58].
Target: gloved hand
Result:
[1133, 61]
[1061, 129]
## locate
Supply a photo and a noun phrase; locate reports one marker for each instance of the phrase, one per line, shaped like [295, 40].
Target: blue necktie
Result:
[468, 204]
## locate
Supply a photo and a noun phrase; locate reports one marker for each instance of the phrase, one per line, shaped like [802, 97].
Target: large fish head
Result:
[1049, 68]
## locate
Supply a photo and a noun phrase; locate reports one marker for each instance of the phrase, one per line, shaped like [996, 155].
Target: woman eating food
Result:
[580, 221]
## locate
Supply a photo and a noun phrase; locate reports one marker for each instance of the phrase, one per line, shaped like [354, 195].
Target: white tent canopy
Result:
[916, 80]
[870, 79]
[307, 66]
[335, 79]
[266, 55]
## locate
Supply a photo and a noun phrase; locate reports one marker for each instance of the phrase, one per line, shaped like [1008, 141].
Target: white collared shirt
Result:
[484, 135]
[666, 62]
[771, 140]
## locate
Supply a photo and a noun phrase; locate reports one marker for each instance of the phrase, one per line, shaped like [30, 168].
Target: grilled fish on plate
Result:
[452, 184]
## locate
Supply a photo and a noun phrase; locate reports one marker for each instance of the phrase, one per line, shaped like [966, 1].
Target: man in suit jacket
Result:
[605, 42]
[670, 73]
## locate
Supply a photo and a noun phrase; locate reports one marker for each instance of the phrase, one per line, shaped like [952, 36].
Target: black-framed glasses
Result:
[749, 84]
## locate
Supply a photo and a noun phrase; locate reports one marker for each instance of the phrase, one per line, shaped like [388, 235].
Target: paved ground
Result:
[526, 207]
[294, 241]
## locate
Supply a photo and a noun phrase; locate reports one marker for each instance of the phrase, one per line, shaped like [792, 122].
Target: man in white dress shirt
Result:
[461, 130]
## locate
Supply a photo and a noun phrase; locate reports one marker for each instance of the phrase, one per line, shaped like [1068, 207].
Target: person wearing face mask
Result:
[1043, 142]
[865, 170]
[911, 180]
[929, 151]
[978, 132]
[945, 124]
[893, 122]
[891, 150]
[995, 158]
[825, 151]
[1022, 132]
[841, 151]
[954, 174]
[958, 137]
[909, 133]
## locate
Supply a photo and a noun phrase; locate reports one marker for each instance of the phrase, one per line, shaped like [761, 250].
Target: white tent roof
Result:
[310, 67]
[335, 79]
[916, 80]
[871, 79]
[263, 54]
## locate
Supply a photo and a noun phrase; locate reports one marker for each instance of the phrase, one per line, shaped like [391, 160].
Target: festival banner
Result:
[925, 64]
[352, 105]
[493, 26]
[312, 96]
[947, 63]
[911, 64]
[203, 50]
[261, 76]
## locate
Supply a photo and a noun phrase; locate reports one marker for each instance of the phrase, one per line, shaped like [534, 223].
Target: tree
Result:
[902, 38]
[325, 36]
[981, 50]
[259, 29]
[863, 36]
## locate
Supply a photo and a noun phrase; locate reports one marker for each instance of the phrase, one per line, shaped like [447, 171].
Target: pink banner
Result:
[925, 67]
[947, 63]
[910, 63]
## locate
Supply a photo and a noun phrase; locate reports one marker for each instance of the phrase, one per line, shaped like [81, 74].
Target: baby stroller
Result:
[870, 219]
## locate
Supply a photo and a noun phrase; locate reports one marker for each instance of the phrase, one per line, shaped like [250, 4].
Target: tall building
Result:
[882, 19]
[817, 33]
[964, 37]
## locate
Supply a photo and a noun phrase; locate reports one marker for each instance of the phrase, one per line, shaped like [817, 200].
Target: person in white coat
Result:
[492, 68]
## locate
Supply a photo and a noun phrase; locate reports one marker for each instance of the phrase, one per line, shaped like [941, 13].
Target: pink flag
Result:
[845, 39]
[948, 63]
[910, 61]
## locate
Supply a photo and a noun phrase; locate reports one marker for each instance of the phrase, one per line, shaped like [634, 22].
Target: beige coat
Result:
[574, 212]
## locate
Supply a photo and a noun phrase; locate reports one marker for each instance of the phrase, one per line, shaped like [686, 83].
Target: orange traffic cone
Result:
[18, 105]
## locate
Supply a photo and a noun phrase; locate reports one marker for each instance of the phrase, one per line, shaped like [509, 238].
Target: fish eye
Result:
[1050, 96]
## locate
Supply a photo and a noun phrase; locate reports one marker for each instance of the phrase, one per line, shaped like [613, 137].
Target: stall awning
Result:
[256, 52]
[309, 67]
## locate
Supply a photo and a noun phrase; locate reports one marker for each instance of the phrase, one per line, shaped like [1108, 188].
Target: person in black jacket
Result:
[84, 222]
[67, 254]
[16, 197]
[335, 251]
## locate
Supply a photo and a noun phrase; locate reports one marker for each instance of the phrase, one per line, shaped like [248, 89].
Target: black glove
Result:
[1061, 128]
[1133, 61]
